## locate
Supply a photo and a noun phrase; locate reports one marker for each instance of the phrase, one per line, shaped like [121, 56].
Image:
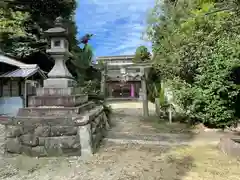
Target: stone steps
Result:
[161, 139]
[150, 137]
[112, 141]
[108, 142]
[55, 111]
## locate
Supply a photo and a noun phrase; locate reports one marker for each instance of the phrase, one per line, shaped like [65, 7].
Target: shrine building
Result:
[123, 78]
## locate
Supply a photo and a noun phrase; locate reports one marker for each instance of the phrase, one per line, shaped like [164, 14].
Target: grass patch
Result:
[163, 126]
[204, 162]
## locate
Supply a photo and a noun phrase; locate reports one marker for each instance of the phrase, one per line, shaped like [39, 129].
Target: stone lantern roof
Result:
[58, 30]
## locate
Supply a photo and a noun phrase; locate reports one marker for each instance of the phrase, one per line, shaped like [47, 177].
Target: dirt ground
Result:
[129, 161]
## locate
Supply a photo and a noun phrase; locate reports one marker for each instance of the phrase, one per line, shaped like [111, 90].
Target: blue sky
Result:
[117, 25]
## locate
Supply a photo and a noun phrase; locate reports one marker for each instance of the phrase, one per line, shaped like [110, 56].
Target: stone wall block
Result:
[29, 140]
[13, 131]
[104, 131]
[97, 119]
[98, 129]
[93, 127]
[97, 139]
[40, 137]
[63, 131]
[39, 151]
[42, 131]
[105, 119]
[27, 150]
[2, 139]
[41, 141]
[28, 129]
[13, 145]
[56, 145]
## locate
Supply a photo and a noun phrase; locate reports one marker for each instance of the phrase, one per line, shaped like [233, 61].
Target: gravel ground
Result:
[127, 162]
[130, 161]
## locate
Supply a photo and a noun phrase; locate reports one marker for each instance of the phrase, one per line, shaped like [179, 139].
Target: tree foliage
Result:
[16, 39]
[142, 54]
[22, 24]
[196, 48]
[82, 60]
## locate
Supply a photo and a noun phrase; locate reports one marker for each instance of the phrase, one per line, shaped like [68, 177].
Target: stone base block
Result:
[96, 138]
[64, 101]
[54, 91]
[57, 146]
[13, 145]
[59, 83]
[56, 136]
[60, 111]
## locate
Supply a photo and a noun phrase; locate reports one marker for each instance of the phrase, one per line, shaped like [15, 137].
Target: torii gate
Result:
[143, 74]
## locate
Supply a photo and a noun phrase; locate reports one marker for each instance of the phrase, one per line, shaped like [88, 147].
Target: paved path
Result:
[130, 127]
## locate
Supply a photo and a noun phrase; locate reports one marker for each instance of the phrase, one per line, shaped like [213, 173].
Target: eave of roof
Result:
[13, 62]
[24, 70]
[23, 73]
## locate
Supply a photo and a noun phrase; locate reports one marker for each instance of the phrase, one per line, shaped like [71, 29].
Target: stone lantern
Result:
[59, 76]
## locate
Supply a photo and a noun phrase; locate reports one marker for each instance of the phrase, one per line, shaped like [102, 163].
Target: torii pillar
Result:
[144, 91]
[103, 80]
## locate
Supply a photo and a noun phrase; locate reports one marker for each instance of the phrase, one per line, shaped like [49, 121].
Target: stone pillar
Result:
[85, 136]
[144, 93]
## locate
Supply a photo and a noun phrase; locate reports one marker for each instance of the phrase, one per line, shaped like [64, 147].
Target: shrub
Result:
[196, 47]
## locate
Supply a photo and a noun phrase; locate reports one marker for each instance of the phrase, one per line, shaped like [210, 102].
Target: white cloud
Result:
[117, 25]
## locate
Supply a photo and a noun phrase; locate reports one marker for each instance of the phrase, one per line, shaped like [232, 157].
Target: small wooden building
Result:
[17, 82]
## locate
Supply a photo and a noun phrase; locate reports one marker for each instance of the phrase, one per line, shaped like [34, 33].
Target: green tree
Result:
[81, 60]
[142, 54]
[22, 26]
[196, 48]
[15, 38]
[23, 23]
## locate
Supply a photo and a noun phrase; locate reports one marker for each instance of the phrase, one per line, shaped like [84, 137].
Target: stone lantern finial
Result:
[59, 22]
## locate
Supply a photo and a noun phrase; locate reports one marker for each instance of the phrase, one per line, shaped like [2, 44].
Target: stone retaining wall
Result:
[57, 136]
[230, 146]
[99, 125]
